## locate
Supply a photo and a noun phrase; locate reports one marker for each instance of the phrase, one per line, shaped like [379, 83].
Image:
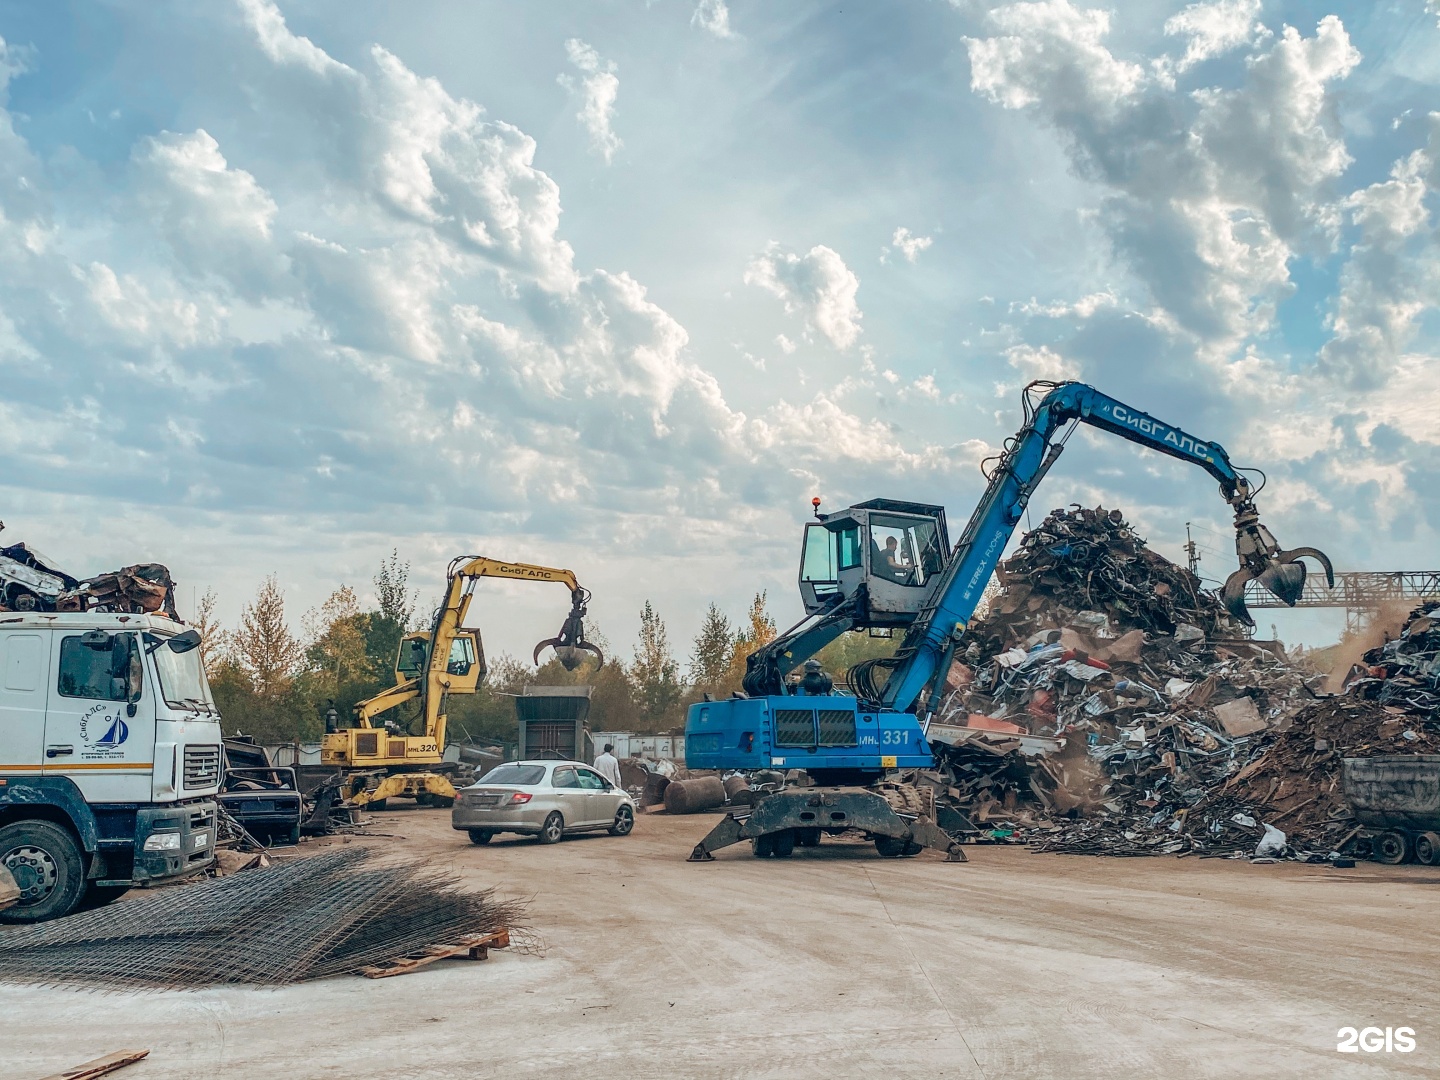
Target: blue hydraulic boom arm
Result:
[929, 644]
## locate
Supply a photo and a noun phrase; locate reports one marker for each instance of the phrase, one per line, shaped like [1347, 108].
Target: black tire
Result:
[763, 846]
[100, 895]
[890, 847]
[782, 844]
[481, 836]
[553, 831]
[807, 837]
[295, 833]
[624, 822]
[376, 804]
[49, 867]
[442, 802]
[1427, 848]
[1391, 847]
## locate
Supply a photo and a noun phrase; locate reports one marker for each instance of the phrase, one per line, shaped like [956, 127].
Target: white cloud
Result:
[817, 285]
[1083, 308]
[907, 244]
[713, 17]
[1213, 28]
[1050, 51]
[597, 92]
[1041, 362]
[1209, 194]
[786, 345]
[1391, 276]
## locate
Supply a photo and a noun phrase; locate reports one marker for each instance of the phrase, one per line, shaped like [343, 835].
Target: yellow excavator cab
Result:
[465, 668]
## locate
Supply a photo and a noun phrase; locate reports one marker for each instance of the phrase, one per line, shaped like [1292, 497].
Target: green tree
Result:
[710, 656]
[259, 678]
[655, 675]
[395, 616]
[757, 630]
[268, 653]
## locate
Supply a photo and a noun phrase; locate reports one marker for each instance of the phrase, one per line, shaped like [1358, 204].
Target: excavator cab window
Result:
[414, 654]
[462, 656]
[818, 564]
[905, 550]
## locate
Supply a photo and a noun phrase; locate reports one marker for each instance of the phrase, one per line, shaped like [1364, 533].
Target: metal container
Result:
[1394, 791]
[552, 723]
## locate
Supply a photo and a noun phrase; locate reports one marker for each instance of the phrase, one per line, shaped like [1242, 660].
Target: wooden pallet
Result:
[100, 1066]
[470, 947]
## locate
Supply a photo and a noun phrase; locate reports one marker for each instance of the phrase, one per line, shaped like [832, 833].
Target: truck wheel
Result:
[374, 804]
[553, 829]
[782, 844]
[480, 836]
[47, 864]
[1427, 848]
[891, 847]
[763, 846]
[1391, 847]
[807, 837]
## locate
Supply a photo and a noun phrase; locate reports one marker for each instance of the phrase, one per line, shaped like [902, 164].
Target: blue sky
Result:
[621, 285]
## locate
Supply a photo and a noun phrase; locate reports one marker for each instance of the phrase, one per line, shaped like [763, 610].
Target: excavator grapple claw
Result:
[570, 642]
[1261, 559]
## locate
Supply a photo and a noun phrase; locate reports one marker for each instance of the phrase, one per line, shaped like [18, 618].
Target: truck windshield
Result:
[182, 679]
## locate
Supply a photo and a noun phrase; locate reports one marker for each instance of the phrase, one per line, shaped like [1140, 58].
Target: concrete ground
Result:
[834, 962]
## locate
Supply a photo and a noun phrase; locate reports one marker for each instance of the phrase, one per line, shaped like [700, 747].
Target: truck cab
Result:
[110, 757]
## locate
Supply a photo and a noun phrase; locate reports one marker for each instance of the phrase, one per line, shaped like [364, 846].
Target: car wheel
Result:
[553, 829]
[47, 864]
[295, 833]
[624, 822]
[782, 844]
[480, 836]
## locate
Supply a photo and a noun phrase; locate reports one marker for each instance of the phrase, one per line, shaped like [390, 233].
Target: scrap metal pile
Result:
[31, 582]
[1404, 674]
[286, 923]
[1166, 731]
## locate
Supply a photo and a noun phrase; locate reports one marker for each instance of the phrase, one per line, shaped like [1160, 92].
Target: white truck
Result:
[109, 757]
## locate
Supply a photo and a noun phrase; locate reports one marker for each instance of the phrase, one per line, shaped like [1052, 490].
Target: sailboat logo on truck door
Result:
[101, 731]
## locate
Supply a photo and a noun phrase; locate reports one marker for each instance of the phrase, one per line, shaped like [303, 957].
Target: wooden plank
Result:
[100, 1066]
[472, 946]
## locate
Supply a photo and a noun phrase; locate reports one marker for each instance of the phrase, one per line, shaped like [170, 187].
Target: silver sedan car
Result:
[544, 799]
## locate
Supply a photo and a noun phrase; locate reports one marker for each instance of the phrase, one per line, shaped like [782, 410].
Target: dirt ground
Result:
[834, 962]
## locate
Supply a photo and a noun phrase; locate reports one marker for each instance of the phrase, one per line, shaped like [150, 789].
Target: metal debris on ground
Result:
[294, 921]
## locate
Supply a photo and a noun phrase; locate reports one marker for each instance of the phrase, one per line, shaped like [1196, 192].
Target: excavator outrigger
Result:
[385, 761]
[888, 564]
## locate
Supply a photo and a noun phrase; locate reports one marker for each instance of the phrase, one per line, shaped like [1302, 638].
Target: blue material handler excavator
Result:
[887, 564]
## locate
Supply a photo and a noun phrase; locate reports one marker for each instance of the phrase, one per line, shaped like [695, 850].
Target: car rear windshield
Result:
[515, 775]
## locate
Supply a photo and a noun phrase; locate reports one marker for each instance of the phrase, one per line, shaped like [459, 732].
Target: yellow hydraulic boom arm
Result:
[452, 669]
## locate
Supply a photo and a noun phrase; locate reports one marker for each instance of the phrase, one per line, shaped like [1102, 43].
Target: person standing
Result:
[608, 766]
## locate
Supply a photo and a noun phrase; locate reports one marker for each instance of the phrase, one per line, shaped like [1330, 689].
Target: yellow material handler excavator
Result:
[378, 758]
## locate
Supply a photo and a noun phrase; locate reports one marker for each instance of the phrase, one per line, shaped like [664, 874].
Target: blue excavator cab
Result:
[886, 552]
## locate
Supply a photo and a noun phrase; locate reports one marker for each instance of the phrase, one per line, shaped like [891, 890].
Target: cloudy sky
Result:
[619, 285]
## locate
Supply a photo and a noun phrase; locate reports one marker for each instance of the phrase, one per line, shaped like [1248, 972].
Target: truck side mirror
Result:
[184, 642]
[127, 670]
